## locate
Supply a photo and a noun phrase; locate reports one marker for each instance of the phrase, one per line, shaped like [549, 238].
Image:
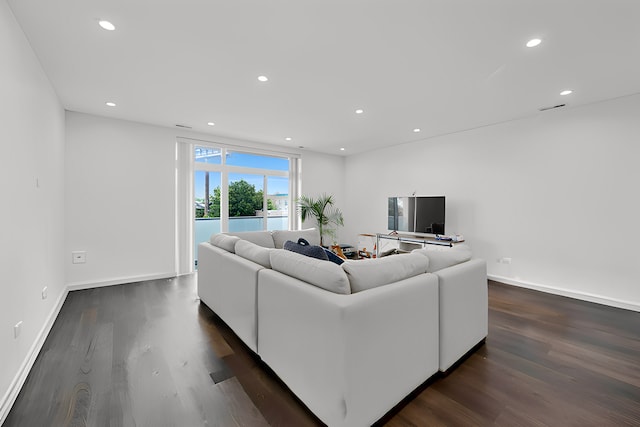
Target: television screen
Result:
[417, 214]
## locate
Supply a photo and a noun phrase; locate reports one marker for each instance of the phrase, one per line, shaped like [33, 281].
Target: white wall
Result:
[557, 193]
[31, 218]
[120, 200]
[323, 173]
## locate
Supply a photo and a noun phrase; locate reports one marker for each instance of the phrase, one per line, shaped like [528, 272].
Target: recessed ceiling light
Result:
[416, 130]
[110, 104]
[107, 25]
[533, 42]
[341, 148]
[359, 111]
[288, 138]
[263, 78]
[566, 92]
[211, 124]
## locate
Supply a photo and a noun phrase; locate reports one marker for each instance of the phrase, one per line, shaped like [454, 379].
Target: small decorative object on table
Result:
[454, 238]
[367, 244]
[338, 251]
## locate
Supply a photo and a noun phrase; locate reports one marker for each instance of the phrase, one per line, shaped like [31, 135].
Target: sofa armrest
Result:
[227, 285]
[209, 260]
[349, 358]
[463, 309]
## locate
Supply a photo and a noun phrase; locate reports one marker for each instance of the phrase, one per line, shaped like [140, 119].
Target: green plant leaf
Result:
[324, 213]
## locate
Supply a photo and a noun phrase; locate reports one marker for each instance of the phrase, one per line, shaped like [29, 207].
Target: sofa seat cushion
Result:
[439, 259]
[367, 274]
[224, 241]
[254, 252]
[311, 235]
[320, 273]
[260, 238]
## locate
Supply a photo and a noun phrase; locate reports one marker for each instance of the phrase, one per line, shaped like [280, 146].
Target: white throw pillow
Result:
[323, 274]
[261, 238]
[439, 259]
[224, 241]
[311, 235]
[253, 252]
[367, 274]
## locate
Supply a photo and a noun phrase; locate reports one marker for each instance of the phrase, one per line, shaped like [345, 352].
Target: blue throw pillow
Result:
[304, 248]
[333, 257]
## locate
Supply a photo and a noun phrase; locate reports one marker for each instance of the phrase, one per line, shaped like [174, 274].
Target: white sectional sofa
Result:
[350, 341]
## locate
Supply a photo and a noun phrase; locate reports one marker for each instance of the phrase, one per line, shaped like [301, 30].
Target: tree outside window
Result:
[244, 200]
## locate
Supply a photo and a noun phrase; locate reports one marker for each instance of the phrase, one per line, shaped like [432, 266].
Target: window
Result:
[236, 190]
[208, 155]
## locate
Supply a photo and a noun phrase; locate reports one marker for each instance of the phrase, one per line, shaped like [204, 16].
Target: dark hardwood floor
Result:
[150, 354]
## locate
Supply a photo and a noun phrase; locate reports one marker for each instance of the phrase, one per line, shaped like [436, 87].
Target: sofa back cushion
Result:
[367, 274]
[260, 238]
[439, 259]
[224, 241]
[253, 252]
[311, 235]
[323, 274]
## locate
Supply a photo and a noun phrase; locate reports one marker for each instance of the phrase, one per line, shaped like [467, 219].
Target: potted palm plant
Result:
[327, 216]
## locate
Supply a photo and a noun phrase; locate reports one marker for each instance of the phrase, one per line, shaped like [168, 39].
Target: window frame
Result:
[186, 166]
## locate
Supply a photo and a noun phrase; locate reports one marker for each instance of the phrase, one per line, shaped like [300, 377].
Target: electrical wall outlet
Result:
[79, 257]
[17, 329]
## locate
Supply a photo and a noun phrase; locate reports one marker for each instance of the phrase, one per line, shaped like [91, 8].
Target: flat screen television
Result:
[417, 214]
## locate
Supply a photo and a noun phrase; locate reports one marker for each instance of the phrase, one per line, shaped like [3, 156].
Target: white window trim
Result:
[185, 168]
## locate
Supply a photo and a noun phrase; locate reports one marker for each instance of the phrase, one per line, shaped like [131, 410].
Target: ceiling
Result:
[440, 66]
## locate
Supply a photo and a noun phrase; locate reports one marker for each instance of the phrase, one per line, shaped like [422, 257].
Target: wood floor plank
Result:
[241, 407]
[143, 353]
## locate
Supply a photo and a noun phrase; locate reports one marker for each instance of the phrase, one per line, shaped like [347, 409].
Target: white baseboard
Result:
[16, 385]
[598, 299]
[76, 286]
